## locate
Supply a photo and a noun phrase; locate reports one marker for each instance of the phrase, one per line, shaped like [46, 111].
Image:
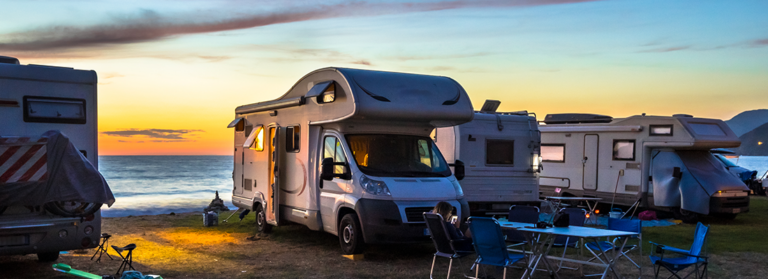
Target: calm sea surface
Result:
[148, 185]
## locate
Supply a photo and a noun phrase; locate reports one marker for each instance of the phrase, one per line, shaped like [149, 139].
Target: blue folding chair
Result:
[446, 247]
[687, 258]
[576, 217]
[627, 225]
[489, 245]
[522, 214]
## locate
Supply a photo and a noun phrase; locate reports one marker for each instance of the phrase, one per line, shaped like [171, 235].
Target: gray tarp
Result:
[71, 177]
[702, 176]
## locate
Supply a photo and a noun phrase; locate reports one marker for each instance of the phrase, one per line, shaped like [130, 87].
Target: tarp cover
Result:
[71, 177]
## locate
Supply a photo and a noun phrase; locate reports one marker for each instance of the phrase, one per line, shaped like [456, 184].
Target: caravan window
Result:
[660, 130]
[397, 155]
[624, 150]
[255, 140]
[54, 110]
[292, 137]
[332, 149]
[553, 153]
[499, 152]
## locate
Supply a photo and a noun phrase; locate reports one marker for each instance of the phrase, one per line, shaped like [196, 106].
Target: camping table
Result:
[559, 200]
[540, 249]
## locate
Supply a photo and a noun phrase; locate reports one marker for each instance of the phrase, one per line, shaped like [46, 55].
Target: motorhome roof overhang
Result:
[579, 129]
[271, 105]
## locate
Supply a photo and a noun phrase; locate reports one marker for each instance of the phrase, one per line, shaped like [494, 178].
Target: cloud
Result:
[166, 134]
[668, 49]
[150, 25]
[362, 62]
[760, 43]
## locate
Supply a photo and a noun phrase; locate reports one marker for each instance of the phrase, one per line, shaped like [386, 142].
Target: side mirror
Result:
[458, 170]
[677, 173]
[326, 172]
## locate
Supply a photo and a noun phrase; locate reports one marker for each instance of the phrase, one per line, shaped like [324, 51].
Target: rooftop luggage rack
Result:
[576, 118]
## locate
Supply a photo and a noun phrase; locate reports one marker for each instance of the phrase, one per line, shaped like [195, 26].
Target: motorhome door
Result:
[589, 182]
[276, 151]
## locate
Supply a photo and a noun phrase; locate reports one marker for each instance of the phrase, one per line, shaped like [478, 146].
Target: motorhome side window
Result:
[54, 110]
[332, 149]
[624, 150]
[499, 152]
[255, 139]
[554, 153]
[292, 137]
[660, 130]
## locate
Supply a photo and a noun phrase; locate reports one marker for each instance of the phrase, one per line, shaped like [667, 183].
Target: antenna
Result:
[490, 106]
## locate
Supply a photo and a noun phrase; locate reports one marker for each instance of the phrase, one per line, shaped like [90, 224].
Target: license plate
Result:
[426, 231]
[736, 210]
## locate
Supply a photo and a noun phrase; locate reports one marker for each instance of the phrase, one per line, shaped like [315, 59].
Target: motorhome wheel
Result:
[261, 221]
[48, 256]
[72, 208]
[686, 216]
[350, 235]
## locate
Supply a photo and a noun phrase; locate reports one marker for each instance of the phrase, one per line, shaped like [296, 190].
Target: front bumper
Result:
[383, 221]
[728, 205]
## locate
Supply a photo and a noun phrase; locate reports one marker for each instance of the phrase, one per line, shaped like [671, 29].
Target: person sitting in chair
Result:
[461, 241]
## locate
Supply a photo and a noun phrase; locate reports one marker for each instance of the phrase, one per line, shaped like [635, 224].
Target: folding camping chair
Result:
[522, 214]
[102, 249]
[127, 259]
[689, 258]
[489, 245]
[627, 225]
[446, 247]
[577, 217]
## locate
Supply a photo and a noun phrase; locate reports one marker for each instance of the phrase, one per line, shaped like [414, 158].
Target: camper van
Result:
[34, 100]
[501, 155]
[348, 152]
[660, 162]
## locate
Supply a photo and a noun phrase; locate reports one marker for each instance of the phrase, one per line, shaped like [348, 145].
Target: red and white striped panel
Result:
[23, 159]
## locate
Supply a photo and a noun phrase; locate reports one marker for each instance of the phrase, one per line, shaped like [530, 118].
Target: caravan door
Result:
[589, 182]
[276, 152]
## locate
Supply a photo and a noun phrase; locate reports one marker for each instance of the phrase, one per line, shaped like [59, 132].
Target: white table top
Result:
[573, 231]
[574, 198]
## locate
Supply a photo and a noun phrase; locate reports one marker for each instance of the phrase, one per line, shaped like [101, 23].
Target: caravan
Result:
[501, 153]
[348, 152]
[50, 190]
[659, 162]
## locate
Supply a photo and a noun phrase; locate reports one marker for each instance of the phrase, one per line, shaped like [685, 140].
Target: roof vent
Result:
[490, 106]
[9, 60]
[682, 115]
[576, 118]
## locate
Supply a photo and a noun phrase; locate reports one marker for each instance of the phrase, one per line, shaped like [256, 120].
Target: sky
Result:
[171, 72]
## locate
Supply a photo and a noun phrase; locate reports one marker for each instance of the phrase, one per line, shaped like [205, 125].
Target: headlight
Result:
[374, 187]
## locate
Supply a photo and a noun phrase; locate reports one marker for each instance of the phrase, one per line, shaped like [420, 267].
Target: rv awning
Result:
[235, 122]
[579, 128]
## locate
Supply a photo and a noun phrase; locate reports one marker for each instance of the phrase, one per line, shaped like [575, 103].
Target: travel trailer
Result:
[501, 155]
[663, 162]
[348, 152]
[50, 190]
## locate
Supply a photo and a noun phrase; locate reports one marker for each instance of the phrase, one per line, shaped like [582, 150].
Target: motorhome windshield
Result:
[397, 156]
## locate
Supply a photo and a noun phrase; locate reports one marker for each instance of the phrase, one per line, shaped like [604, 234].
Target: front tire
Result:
[686, 216]
[261, 220]
[350, 235]
[48, 256]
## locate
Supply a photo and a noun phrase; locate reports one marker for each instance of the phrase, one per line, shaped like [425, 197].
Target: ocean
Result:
[151, 185]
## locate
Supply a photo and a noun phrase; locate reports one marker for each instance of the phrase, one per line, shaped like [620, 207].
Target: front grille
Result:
[415, 214]
[735, 205]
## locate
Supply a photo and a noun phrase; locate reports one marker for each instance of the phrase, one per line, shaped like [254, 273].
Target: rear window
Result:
[499, 152]
[54, 110]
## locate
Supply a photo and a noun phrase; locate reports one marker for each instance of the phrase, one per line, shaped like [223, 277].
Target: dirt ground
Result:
[178, 246]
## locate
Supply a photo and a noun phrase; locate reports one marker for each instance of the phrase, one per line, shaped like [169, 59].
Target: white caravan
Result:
[348, 152]
[663, 162]
[33, 100]
[500, 151]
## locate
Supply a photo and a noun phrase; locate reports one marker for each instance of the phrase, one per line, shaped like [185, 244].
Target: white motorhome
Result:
[348, 152]
[33, 100]
[500, 151]
[664, 162]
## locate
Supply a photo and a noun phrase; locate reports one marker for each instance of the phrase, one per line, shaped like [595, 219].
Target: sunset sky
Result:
[172, 72]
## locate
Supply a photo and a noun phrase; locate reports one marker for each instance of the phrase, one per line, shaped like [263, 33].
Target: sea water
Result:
[150, 185]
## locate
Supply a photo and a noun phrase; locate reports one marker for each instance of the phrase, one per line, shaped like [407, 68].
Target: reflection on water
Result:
[148, 185]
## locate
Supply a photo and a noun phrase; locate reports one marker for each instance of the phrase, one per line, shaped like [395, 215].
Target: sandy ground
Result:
[179, 246]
